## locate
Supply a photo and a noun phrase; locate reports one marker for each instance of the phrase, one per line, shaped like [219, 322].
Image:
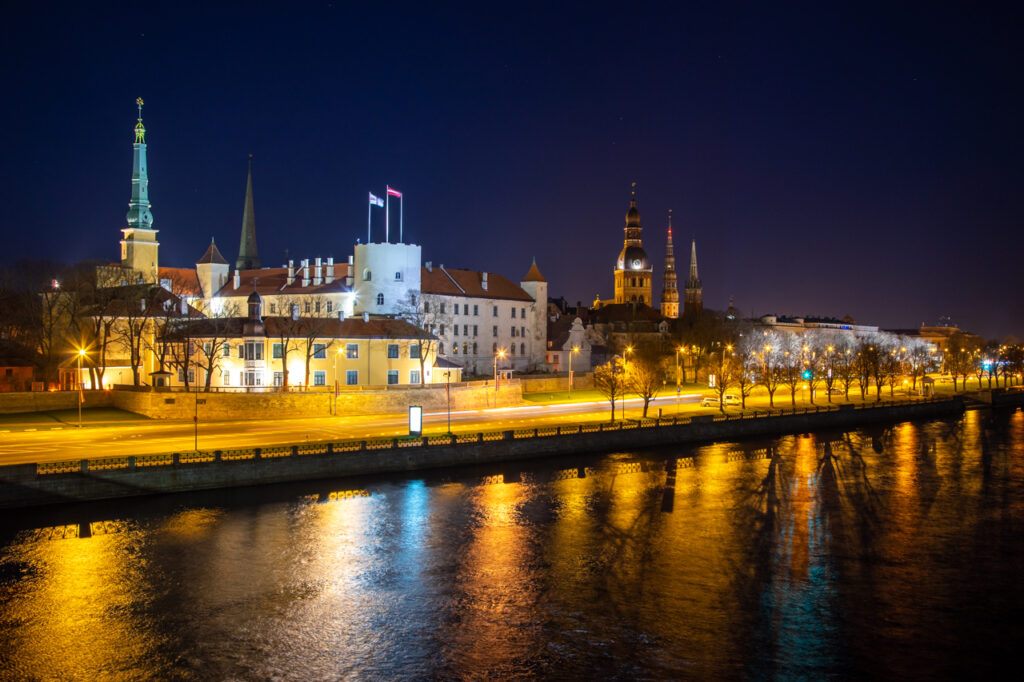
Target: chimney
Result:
[295, 311]
[317, 278]
[238, 279]
[350, 259]
[429, 266]
[305, 272]
[329, 274]
[291, 272]
[366, 317]
[483, 283]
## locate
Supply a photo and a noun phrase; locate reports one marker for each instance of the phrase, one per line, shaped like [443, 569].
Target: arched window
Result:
[367, 275]
[474, 348]
[522, 349]
[494, 348]
[512, 349]
[455, 349]
[380, 299]
[398, 276]
[440, 348]
[465, 349]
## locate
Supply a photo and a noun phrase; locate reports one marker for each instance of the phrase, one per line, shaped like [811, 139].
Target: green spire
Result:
[139, 214]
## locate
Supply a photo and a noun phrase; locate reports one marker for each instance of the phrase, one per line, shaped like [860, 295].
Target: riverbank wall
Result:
[26, 485]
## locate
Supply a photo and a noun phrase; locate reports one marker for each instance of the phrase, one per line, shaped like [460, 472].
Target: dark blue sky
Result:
[862, 161]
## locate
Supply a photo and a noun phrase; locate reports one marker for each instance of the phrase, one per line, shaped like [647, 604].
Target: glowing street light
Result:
[625, 372]
[499, 354]
[81, 398]
[575, 349]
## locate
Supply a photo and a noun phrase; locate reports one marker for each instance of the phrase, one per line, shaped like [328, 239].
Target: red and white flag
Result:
[392, 192]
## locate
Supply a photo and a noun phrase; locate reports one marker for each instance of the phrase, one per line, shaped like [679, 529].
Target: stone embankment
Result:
[113, 477]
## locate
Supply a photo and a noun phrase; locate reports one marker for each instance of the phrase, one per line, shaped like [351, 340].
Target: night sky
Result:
[862, 161]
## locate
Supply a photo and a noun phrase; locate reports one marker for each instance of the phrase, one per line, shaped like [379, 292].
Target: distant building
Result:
[693, 301]
[670, 292]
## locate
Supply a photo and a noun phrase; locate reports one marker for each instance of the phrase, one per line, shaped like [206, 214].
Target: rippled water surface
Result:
[888, 552]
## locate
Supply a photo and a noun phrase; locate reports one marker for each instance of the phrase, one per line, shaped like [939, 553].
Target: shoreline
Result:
[54, 483]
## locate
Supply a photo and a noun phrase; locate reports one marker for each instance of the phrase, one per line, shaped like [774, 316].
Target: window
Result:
[426, 306]
[273, 309]
[414, 352]
[252, 350]
[522, 349]
[226, 376]
[319, 351]
[476, 309]
[494, 348]
[442, 308]
[316, 307]
[307, 307]
[474, 348]
[465, 330]
[320, 378]
[276, 351]
[465, 349]
[455, 349]
[279, 378]
[207, 348]
[392, 377]
[367, 275]
[442, 330]
[522, 313]
[522, 331]
[440, 348]
[398, 277]
[380, 299]
[494, 330]
[352, 377]
[227, 350]
[513, 313]
[456, 309]
[495, 311]
[476, 330]
[352, 351]
[414, 376]
[455, 329]
[392, 351]
[330, 306]
[512, 349]
[513, 331]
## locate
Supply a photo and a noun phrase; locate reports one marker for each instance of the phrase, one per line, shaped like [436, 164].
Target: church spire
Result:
[694, 293]
[248, 255]
[670, 291]
[139, 214]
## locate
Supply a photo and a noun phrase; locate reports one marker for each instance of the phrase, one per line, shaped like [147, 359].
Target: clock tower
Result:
[633, 268]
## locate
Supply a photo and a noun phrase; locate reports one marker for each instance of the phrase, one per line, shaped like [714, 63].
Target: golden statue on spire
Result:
[140, 130]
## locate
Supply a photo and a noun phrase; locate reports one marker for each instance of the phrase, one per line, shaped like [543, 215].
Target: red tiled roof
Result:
[275, 281]
[449, 282]
[322, 327]
[183, 280]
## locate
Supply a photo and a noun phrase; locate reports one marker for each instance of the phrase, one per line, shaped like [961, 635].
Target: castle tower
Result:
[248, 255]
[536, 286]
[139, 247]
[693, 302]
[212, 271]
[633, 269]
[670, 292]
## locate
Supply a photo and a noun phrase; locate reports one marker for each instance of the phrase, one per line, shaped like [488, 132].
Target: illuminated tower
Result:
[693, 302]
[670, 292]
[248, 256]
[139, 246]
[633, 269]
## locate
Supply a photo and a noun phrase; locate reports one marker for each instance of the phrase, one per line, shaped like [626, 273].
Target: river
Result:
[891, 552]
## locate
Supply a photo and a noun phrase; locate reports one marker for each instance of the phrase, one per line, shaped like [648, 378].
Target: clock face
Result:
[636, 263]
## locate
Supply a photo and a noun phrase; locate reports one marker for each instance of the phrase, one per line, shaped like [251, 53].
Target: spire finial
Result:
[140, 130]
[670, 221]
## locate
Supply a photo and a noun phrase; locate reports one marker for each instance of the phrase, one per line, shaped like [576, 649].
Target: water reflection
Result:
[890, 551]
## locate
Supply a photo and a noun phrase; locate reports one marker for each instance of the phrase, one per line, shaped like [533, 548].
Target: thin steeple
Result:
[248, 255]
[139, 214]
[670, 290]
[693, 301]
[694, 279]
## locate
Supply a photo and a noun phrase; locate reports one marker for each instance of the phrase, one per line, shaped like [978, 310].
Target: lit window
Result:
[352, 351]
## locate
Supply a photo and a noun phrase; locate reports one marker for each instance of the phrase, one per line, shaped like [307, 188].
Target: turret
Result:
[537, 287]
[212, 270]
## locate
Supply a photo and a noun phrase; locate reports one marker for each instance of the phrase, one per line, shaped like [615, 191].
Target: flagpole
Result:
[369, 209]
[401, 213]
[387, 218]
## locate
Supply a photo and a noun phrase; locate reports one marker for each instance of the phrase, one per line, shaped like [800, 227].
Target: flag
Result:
[392, 192]
[375, 200]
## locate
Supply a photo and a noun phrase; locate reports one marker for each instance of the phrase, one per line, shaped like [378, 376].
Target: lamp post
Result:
[575, 349]
[499, 354]
[448, 395]
[81, 398]
[335, 405]
[625, 372]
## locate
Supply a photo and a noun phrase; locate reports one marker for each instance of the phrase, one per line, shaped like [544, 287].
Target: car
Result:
[713, 401]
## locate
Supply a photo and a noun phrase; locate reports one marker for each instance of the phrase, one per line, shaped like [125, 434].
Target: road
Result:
[49, 444]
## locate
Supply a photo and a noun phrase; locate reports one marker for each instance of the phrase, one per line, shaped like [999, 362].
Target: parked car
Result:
[712, 400]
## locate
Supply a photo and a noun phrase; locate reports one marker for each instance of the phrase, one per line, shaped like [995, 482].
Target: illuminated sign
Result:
[415, 420]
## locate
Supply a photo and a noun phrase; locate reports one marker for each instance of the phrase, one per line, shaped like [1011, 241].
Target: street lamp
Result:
[499, 354]
[81, 398]
[575, 349]
[625, 374]
[335, 406]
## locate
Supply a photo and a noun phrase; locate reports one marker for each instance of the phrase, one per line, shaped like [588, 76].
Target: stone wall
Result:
[263, 406]
[45, 401]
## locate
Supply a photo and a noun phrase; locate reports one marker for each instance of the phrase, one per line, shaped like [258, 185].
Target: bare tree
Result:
[791, 366]
[608, 382]
[423, 311]
[645, 376]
